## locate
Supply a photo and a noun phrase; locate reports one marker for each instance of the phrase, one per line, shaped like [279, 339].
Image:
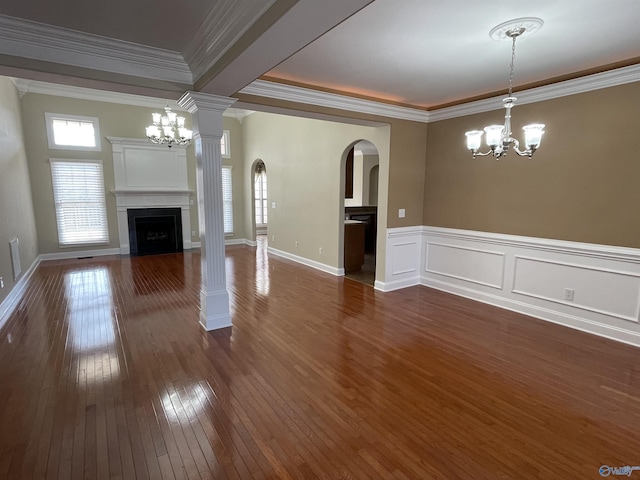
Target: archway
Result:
[359, 214]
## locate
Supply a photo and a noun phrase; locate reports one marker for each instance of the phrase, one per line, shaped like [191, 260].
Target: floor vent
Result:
[15, 258]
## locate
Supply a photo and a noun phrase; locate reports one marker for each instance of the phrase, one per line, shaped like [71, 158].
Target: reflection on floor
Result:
[368, 273]
[105, 373]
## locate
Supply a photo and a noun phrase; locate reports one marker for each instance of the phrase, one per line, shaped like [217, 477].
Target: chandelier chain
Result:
[513, 59]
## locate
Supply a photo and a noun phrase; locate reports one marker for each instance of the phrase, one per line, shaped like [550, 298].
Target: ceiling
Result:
[421, 53]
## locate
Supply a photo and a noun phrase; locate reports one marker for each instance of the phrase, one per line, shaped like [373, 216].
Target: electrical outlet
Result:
[568, 294]
[296, 244]
[401, 213]
[193, 233]
[1, 283]
[273, 239]
[320, 250]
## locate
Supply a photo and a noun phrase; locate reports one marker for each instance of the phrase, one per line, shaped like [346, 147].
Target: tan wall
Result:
[582, 185]
[115, 121]
[406, 169]
[16, 207]
[304, 159]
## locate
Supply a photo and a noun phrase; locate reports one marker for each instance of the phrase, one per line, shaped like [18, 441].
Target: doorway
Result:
[360, 173]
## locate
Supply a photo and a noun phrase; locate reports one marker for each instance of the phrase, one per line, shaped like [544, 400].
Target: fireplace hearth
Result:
[153, 231]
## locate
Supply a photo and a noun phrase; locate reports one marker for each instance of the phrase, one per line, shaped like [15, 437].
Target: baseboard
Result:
[102, 252]
[554, 316]
[395, 285]
[231, 241]
[9, 303]
[305, 261]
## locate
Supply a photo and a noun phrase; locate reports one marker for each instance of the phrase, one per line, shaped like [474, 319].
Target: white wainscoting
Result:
[533, 276]
[402, 259]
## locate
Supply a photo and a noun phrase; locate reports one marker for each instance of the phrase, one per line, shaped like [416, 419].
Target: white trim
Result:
[101, 252]
[27, 39]
[11, 300]
[612, 78]
[308, 96]
[395, 285]
[309, 263]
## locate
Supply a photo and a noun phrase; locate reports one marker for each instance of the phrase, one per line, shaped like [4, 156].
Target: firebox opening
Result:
[153, 231]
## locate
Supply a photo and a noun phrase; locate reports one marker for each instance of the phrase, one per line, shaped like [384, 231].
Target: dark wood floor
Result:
[106, 373]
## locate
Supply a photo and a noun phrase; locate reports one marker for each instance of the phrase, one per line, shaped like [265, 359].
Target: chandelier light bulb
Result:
[533, 135]
[474, 139]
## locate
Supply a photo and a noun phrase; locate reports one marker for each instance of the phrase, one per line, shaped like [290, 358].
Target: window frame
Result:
[50, 117]
[228, 201]
[102, 202]
[260, 195]
[225, 141]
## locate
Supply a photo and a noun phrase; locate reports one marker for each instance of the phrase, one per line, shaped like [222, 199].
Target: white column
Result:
[206, 111]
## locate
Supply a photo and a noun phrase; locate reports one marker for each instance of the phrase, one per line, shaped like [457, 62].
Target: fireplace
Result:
[154, 231]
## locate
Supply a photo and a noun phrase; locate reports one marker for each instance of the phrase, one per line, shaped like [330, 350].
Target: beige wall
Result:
[115, 121]
[16, 207]
[304, 159]
[582, 185]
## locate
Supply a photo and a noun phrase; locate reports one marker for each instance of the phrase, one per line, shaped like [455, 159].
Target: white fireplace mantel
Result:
[150, 176]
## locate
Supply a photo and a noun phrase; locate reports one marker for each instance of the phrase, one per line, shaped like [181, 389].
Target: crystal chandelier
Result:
[168, 129]
[498, 137]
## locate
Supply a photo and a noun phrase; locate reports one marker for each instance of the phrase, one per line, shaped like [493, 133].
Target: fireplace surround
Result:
[149, 176]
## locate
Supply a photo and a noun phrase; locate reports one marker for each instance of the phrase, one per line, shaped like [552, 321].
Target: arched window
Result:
[260, 193]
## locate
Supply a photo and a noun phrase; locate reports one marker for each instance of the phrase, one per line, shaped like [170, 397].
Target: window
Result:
[78, 193]
[71, 132]
[225, 146]
[260, 194]
[227, 200]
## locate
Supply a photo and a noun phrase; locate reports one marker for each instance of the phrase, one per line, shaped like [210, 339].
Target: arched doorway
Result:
[360, 216]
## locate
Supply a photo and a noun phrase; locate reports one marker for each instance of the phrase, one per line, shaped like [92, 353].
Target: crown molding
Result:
[291, 93]
[225, 23]
[23, 38]
[611, 78]
[82, 93]
[596, 81]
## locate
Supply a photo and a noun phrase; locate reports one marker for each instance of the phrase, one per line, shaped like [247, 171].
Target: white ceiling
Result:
[423, 53]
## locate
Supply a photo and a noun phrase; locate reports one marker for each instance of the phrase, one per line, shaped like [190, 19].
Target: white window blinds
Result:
[78, 192]
[227, 199]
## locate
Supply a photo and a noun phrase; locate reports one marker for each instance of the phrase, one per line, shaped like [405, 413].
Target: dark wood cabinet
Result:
[354, 236]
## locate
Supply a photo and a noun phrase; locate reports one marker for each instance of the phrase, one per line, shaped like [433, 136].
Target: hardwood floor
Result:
[106, 373]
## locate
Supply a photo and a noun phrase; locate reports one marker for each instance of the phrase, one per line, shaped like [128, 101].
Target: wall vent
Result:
[15, 258]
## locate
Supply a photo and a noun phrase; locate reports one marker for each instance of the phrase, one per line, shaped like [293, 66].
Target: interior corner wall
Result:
[581, 185]
[16, 208]
[115, 120]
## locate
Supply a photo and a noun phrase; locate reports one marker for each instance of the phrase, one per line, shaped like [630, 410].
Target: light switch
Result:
[401, 213]
[273, 204]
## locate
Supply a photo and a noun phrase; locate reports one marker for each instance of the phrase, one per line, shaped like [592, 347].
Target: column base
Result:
[214, 310]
